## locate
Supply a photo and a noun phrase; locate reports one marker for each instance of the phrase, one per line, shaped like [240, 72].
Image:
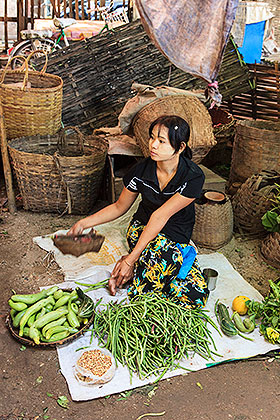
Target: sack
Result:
[79, 244]
[104, 363]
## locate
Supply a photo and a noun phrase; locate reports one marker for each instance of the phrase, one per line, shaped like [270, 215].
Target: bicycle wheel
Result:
[24, 48]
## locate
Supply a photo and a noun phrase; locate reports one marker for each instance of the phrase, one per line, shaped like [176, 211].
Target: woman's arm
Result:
[123, 270]
[107, 214]
[156, 222]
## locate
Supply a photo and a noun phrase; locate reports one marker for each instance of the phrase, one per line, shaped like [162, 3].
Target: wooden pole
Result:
[6, 164]
[276, 66]
[6, 25]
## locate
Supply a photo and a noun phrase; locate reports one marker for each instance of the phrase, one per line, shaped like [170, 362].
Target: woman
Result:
[160, 230]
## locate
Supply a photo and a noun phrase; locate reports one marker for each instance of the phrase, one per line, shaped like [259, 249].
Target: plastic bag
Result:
[88, 377]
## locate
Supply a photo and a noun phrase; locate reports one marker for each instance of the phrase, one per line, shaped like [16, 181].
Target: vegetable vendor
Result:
[160, 259]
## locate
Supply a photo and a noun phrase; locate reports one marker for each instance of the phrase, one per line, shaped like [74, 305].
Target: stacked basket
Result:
[56, 171]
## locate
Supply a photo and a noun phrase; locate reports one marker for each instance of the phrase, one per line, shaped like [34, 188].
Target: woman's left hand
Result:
[121, 274]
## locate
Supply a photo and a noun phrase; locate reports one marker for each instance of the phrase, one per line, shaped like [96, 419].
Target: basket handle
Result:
[21, 69]
[43, 71]
[81, 137]
[68, 193]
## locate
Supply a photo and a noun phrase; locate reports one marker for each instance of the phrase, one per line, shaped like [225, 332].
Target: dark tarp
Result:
[192, 34]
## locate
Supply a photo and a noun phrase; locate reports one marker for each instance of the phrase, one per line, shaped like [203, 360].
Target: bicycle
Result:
[33, 40]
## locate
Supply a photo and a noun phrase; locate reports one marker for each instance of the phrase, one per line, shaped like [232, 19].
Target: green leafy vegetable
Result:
[62, 401]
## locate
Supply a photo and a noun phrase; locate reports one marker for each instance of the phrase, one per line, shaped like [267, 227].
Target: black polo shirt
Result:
[188, 181]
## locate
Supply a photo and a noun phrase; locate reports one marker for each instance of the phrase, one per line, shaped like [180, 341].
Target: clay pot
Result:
[215, 196]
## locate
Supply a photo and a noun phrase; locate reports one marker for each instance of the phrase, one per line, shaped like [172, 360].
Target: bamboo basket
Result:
[28, 342]
[213, 224]
[252, 201]
[256, 147]
[223, 125]
[189, 108]
[270, 249]
[59, 173]
[31, 100]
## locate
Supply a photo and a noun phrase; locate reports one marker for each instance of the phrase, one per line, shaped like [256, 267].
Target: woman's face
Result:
[159, 144]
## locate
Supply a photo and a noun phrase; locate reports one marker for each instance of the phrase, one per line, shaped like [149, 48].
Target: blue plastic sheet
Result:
[253, 42]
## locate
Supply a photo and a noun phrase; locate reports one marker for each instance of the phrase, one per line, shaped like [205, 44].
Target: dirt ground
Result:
[243, 390]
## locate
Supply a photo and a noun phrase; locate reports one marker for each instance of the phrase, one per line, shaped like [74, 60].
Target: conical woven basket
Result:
[190, 109]
[270, 249]
[252, 201]
[213, 224]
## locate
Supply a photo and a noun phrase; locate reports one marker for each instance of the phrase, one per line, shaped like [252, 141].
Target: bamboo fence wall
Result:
[262, 102]
[98, 74]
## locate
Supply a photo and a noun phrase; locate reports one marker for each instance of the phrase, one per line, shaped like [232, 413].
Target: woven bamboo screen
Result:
[98, 74]
[262, 102]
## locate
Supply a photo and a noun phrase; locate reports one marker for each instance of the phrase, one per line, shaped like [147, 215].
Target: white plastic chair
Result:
[112, 17]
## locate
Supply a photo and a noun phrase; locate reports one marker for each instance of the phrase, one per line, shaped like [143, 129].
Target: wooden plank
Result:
[88, 6]
[25, 13]
[39, 9]
[6, 164]
[267, 96]
[6, 24]
[267, 117]
[262, 82]
[77, 17]
[64, 8]
[278, 85]
[264, 68]
[262, 111]
[8, 19]
[70, 9]
[21, 23]
[268, 106]
[83, 9]
[95, 6]
[32, 13]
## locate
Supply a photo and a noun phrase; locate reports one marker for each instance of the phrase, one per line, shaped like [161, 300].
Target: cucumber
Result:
[59, 321]
[226, 324]
[17, 306]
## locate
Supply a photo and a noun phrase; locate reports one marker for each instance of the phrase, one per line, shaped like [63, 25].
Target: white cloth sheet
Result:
[92, 268]
[229, 284]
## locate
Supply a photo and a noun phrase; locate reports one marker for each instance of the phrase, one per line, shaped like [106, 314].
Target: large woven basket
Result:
[256, 147]
[189, 108]
[213, 224]
[252, 201]
[270, 249]
[58, 177]
[31, 100]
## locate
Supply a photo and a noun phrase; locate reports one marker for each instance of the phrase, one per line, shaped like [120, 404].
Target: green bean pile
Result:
[151, 334]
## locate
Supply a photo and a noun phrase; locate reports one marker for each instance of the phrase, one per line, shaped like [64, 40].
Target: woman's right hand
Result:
[77, 228]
